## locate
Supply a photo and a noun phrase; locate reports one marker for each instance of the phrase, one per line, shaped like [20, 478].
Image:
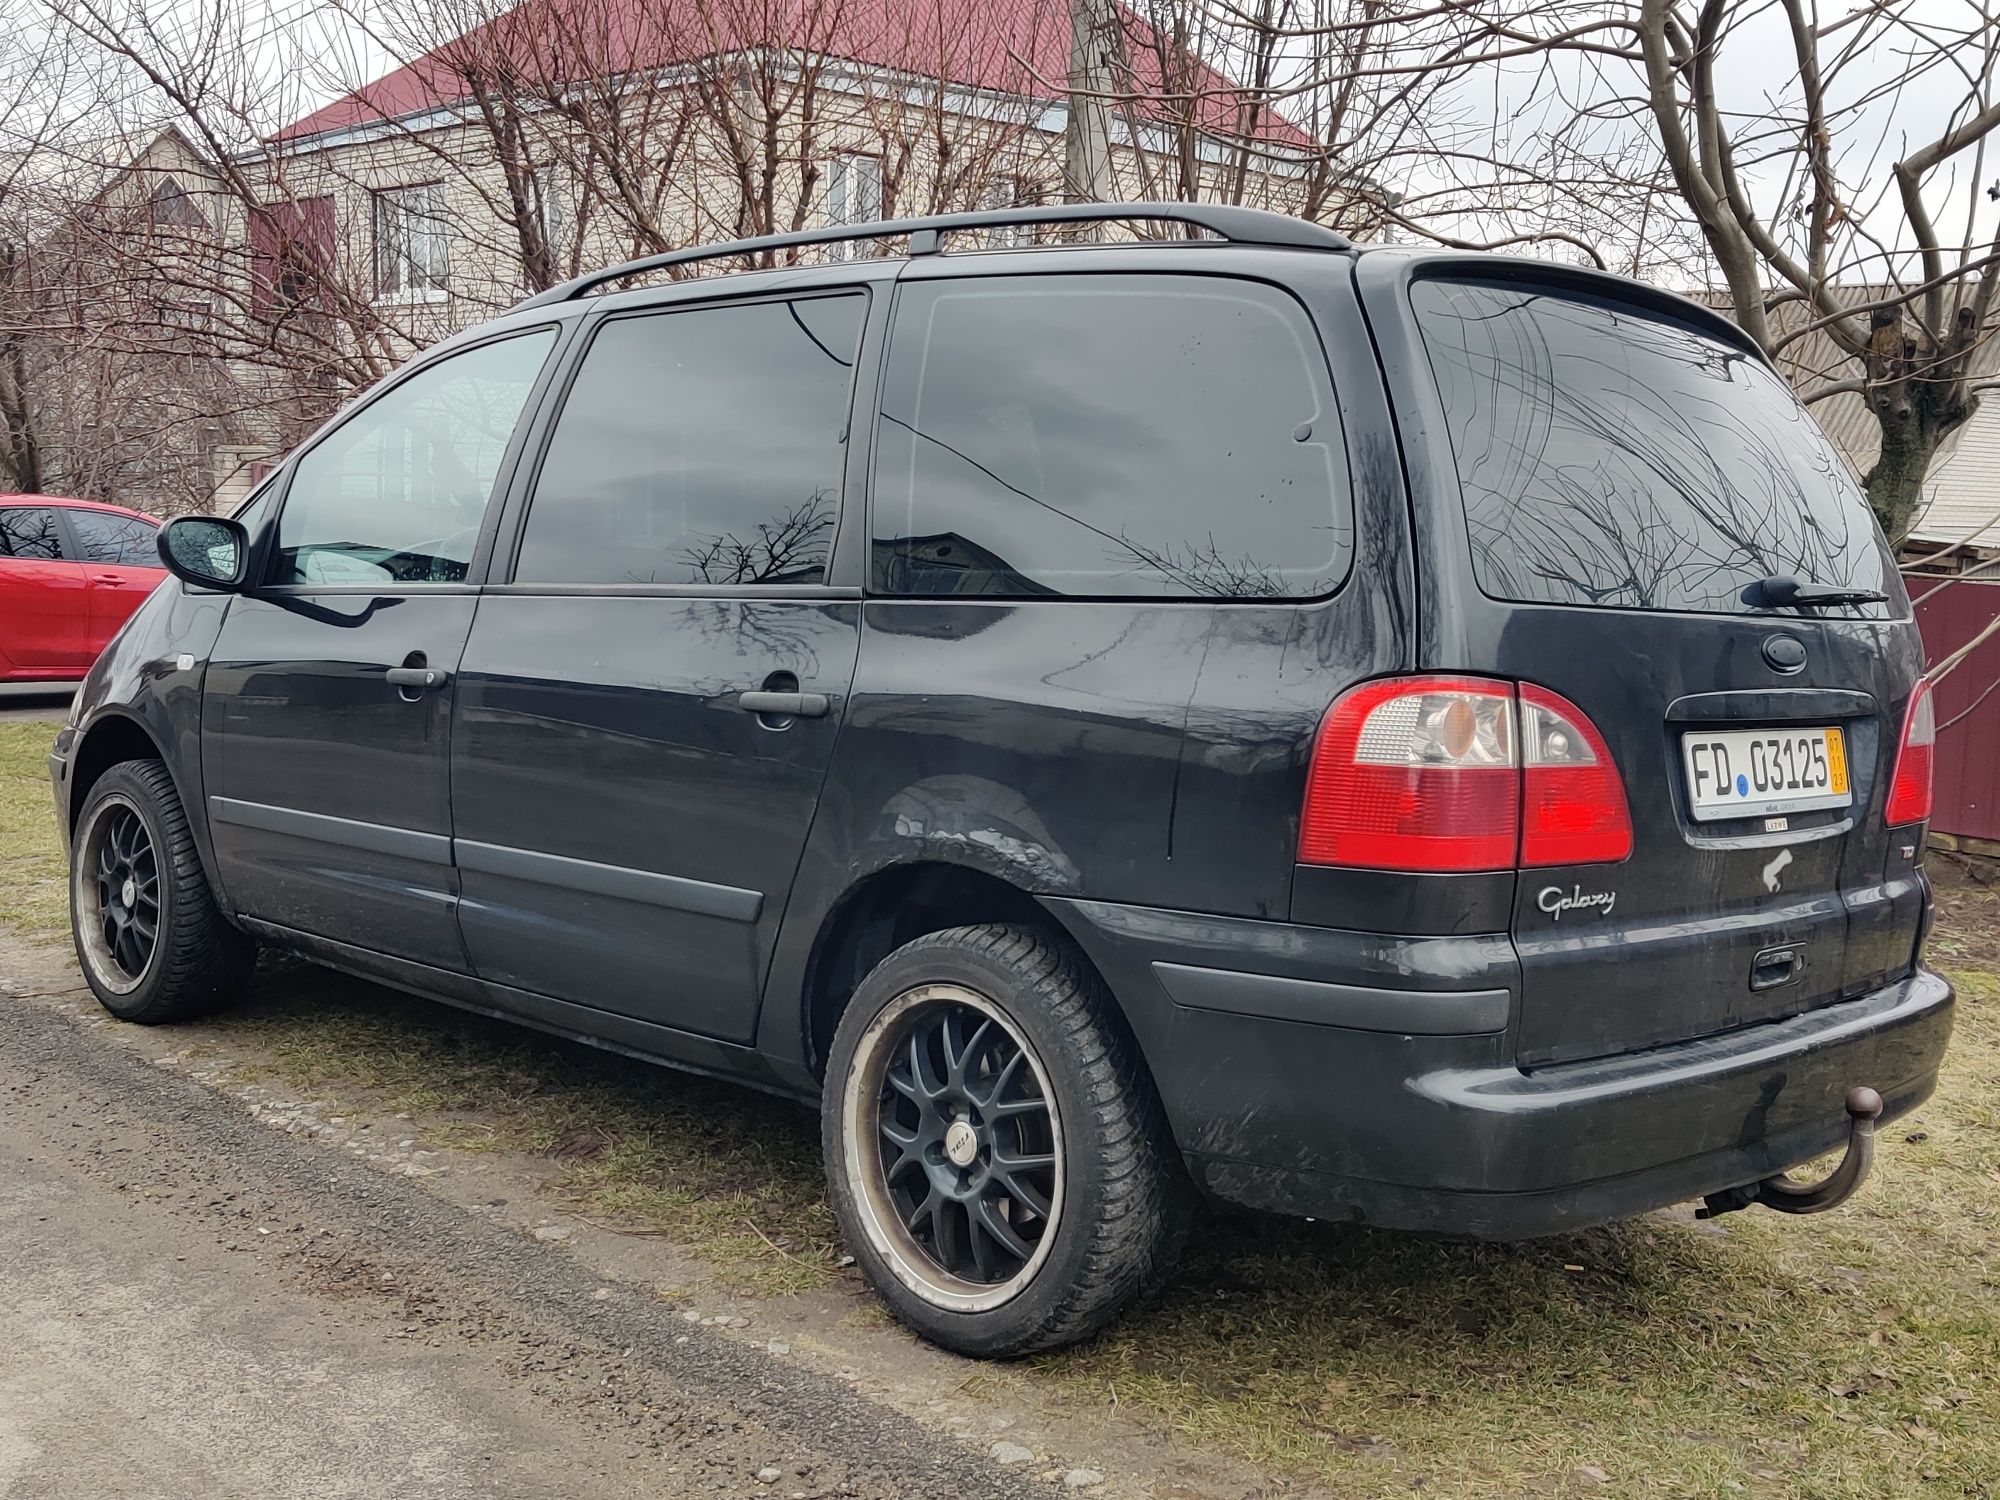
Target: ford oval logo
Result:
[1784, 653]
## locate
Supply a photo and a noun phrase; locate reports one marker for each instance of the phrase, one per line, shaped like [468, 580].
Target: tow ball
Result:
[1864, 1108]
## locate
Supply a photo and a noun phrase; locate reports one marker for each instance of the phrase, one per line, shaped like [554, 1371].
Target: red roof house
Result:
[1011, 47]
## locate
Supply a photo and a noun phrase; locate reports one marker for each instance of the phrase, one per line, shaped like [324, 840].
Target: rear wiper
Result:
[1782, 589]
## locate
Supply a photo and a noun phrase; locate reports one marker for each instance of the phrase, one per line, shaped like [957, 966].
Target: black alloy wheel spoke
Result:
[923, 1068]
[958, 1048]
[129, 923]
[994, 1225]
[981, 1244]
[923, 1213]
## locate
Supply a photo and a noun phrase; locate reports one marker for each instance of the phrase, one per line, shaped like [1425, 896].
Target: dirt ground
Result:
[213, 1288]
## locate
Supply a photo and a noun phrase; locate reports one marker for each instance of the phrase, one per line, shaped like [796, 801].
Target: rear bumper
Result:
[1296, 1095]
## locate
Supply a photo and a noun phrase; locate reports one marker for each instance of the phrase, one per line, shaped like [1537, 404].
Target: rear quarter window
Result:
[1108, 436]
[1610, 456]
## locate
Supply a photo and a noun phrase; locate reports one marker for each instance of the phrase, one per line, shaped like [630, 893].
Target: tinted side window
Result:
[396, 493]
[121, 541]
[1163, 436]
[699, 447]
[1612, 457]
[30, 533]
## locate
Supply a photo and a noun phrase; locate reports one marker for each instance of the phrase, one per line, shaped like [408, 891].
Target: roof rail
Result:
[1239, 226]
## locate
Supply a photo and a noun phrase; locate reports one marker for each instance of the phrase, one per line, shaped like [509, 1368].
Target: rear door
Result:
[1627, 476]
[648, 705]
[44, 596]
[121, 563]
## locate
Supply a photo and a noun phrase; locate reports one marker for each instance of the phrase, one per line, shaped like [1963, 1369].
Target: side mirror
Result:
[211, 552]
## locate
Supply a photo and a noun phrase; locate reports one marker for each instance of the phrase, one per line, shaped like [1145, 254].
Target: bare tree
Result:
[34, 86]
[1830, 224]
[593, 129]
[1909, 348]
[1357, 114]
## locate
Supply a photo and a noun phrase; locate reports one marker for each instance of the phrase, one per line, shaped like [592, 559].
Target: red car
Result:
[71, 573]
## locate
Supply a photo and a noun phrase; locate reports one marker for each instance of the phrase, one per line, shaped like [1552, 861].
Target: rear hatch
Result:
[1630, 480]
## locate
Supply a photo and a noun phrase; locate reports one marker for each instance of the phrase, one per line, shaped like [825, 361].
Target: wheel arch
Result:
[111, 739]
[893, 905]
[116, 736]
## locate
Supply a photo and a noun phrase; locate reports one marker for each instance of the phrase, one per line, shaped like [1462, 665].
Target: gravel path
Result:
[194, 1304]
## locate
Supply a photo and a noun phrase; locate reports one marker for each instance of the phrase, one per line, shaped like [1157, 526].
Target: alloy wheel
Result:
[954, 1143]
[118, 886]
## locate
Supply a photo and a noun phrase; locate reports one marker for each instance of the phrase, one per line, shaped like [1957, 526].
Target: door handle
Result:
[784, 705]
[1775, 966]
[110, 580]
[417, 679]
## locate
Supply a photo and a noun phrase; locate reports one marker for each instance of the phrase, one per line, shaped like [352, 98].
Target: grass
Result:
[33, 894]
[1850, 1355]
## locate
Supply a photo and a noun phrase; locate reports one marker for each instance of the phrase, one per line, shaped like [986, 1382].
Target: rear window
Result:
[1611, 457]
[1108, 436]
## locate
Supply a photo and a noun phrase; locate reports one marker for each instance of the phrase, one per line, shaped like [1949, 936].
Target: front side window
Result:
[118, 541]
[1612, 457]
[699, 447]
[396, 494]
[853, 196]
[29, 533]
[410, 259]
[1108, 436]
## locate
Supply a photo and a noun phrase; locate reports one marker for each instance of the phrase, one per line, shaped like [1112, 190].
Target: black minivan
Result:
[1401, 736]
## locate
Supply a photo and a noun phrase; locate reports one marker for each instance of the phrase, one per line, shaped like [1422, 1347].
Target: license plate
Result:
[1752, 773]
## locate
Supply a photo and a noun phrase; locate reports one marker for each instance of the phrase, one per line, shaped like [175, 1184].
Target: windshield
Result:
[1610, 456]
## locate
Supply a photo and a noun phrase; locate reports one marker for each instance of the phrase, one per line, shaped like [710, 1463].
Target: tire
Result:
[966, 1059]
[133, 867]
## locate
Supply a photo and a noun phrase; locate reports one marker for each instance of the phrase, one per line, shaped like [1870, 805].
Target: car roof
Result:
[598, 290]
[70, 502]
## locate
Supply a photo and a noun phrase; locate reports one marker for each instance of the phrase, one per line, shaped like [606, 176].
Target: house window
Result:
[171, 207]
[409, 242]
[1009, 192]
[291, 255]
[853, 196]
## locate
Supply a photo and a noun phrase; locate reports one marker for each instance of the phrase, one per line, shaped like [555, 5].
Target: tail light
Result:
[1910, 787]
[1460, 774]
[1572, 798]
[1415, 773]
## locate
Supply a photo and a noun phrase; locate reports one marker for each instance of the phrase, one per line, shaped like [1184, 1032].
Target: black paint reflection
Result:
[1614, 458]
[699, 446]
[1108, 436]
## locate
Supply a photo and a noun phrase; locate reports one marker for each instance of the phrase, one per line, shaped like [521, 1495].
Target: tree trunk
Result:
[1919, 398]
[20, 453]
[1895, 485]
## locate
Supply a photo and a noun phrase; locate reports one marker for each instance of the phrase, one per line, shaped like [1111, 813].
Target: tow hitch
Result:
[1864, 1108]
